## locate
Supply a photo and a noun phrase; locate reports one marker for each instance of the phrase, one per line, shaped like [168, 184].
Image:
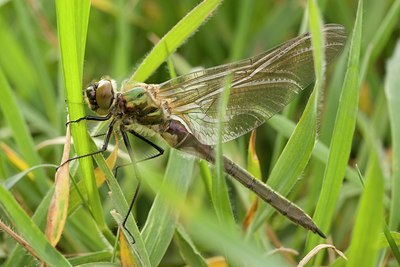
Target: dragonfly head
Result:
[100, 96]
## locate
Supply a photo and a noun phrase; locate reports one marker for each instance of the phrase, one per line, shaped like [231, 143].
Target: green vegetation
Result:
[334, 151]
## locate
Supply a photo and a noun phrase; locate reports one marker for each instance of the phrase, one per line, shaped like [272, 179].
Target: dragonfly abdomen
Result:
[281, 204]
[188, 143]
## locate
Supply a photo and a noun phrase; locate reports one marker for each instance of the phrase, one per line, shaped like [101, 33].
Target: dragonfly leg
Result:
[130, 152]
[101, 150]
[98, 135]
[91, 118]
[159, 149]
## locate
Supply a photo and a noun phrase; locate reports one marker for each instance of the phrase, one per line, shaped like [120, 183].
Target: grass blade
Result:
[341, 138]
[381, 36]
[21, 135]
[44, 82]
[174, 38]
[163, 217]
[363, 250]
[29, 231]
[303, 137]
[219, 190]
[58, 209]
[121, 207]
[72, 17]
[392, 85]
[187, 249]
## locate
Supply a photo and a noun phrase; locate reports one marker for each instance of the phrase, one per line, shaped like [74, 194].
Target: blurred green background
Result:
[120, 34]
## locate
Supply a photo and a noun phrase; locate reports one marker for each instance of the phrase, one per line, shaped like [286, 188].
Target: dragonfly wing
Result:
[260, 87]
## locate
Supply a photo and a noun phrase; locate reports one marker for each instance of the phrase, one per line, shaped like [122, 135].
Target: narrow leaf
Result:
[341, 139]
[127, 259]
[15, 159]
[174, 38]
[58, 209]
[163, 217]
[29, 231]
[392, 85]
[187, 249]
[363, 249]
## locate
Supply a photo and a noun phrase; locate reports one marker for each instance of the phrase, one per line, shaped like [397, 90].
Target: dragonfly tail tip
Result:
[320, 233]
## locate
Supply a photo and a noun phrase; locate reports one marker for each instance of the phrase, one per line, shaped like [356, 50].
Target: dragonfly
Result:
[184, 110]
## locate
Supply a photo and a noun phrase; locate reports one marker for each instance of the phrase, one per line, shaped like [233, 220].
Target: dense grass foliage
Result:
[334, 151]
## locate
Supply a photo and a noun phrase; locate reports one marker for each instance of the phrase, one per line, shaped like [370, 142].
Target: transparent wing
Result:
[261, 86]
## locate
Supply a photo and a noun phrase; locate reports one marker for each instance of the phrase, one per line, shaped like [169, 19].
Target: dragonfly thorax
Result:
[100, 96]
[136, 96]
[136, 105]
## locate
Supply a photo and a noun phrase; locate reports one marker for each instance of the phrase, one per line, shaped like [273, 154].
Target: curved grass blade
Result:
[174, 38]
[29, 231]
[163, 217]
[72, 17]
[187, 249]
[219, 190]
[11, 181]
[381, 36]
[121, 206]
[21, 135]
[363, 250]
[392, 85]
[341, 138]
[58, 209]
[376, 166]
[46, 91]
[302, 139]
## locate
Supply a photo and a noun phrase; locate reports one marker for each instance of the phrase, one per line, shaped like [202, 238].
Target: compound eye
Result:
[91, 93]
[104, 95]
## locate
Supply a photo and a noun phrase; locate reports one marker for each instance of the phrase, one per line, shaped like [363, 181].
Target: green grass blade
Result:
[21, 134]
[206, 230]
[219, 190]
[72, 17]
[392, 85]
[29, 231]
[374, 146]
[163, 217]
[380, 38]
[320, 152]
[11, 181]
[174, 38]
[123, 40]
[317, 40]
[91, 257]
[284, 176]
[18, 255]
[187, 249]
[341, 138]
[363, 249]
[390, 238]
[16, 59]
[121, 207]
[46, 86]
[245, 10]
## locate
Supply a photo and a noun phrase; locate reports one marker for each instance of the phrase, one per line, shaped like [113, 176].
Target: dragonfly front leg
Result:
[91, 118]
[135, 194]
[101, 150]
